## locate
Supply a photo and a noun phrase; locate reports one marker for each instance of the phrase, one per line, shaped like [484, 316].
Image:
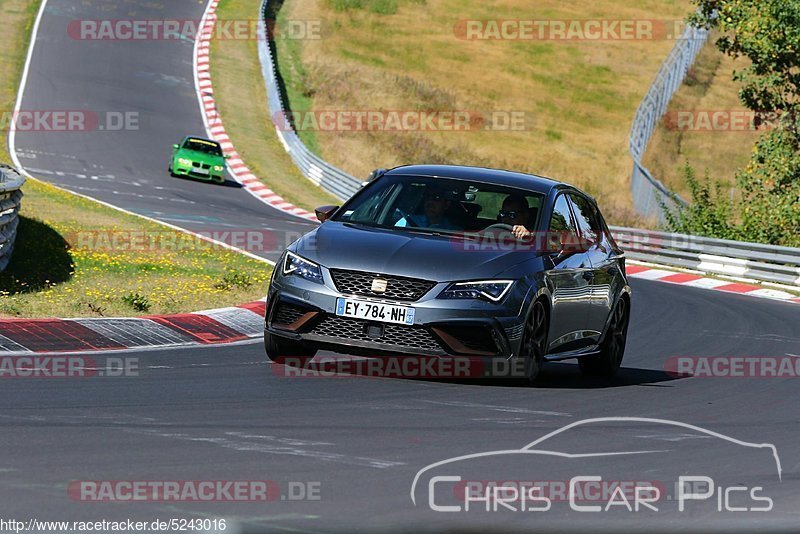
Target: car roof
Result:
[518, 180]
[198, 138]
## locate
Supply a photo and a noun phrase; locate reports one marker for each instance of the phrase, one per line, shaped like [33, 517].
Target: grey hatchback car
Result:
[448, 261]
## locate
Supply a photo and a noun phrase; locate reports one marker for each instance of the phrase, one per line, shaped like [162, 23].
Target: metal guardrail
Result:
[10, 196]
[766, 263]
[331, 179]
[649, 193]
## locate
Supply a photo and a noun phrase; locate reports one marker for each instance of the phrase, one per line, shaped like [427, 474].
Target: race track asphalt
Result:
[224, 413]
[127, 167]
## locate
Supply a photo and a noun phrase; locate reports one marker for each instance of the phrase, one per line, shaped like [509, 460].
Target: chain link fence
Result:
[648, 192]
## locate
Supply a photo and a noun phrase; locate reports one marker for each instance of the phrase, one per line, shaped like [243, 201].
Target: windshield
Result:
[201, 145]
[437, 205]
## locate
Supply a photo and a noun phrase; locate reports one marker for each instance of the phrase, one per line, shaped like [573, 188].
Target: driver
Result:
[436, 203]
[516, 214]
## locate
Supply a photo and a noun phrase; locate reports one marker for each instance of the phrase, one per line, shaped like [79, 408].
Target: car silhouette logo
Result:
[379, 285]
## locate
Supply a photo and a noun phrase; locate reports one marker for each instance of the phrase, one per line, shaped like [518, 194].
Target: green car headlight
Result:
[219, 168]
[184, 161]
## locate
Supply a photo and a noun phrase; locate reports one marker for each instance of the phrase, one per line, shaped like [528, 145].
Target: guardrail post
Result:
[10, 197]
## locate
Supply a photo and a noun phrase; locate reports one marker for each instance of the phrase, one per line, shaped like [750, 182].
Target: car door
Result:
[600, 259]
[569, 279]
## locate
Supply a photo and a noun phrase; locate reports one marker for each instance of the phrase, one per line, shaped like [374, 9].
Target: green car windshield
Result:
[200, 145]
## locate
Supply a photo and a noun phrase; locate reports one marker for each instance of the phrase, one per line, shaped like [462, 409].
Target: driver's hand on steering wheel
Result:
[520, 232]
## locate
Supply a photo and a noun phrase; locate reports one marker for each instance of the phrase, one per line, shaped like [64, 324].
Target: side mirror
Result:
[377, 173]
[227, 156]
[324, 213]
[176, 147]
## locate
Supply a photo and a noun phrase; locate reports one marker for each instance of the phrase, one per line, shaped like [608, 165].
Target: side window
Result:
[588, 218]
[561, 221]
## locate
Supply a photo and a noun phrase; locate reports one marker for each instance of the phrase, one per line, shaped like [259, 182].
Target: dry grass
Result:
[709, 87]
[578, 97]
[18, 17]
[242, 102]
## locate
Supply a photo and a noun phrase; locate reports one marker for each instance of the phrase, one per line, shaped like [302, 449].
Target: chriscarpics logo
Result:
[615, 466]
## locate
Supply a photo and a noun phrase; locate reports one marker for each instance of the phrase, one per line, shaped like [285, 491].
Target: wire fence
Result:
[10, 196]
[649, 193]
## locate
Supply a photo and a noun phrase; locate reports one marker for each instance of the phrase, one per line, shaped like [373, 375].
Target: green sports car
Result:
[198, 158]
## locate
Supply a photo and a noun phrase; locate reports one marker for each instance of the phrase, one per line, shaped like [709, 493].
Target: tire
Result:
[612, 349]
[287, 351]
[534, 342]
[172, 173]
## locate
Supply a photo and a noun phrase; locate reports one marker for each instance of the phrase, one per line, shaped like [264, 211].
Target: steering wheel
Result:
[404, 215]
[499, 226]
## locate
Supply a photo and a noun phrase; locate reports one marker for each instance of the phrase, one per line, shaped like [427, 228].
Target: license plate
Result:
[374, 311]
[199, 170]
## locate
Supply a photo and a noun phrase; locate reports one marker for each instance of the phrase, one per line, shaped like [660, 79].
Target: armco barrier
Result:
[765, 263]
[334, 181]
[649, 193]
[10, 196]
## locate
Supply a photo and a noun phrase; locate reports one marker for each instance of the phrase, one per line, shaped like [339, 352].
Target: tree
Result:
[767, 33]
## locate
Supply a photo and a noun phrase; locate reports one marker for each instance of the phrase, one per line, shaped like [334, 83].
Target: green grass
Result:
[65, 265]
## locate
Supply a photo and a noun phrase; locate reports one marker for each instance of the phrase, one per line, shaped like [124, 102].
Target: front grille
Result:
[201, 165]
[395, 336]
[287, 313]
[397, 288]
[515, 332]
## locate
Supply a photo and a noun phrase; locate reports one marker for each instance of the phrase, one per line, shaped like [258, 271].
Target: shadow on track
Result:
[41, 258]
[554, 375]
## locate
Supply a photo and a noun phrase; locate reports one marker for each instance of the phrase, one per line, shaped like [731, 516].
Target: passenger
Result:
[436, 204]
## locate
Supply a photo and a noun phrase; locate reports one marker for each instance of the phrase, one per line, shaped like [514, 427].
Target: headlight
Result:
[294, 264]
[219, 168]
[492, 290]
[184, 161]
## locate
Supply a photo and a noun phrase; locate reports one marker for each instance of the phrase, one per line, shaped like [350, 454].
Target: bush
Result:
[709, 213]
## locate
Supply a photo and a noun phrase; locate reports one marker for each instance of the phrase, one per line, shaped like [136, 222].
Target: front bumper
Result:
[305, 311]
[191, 171]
